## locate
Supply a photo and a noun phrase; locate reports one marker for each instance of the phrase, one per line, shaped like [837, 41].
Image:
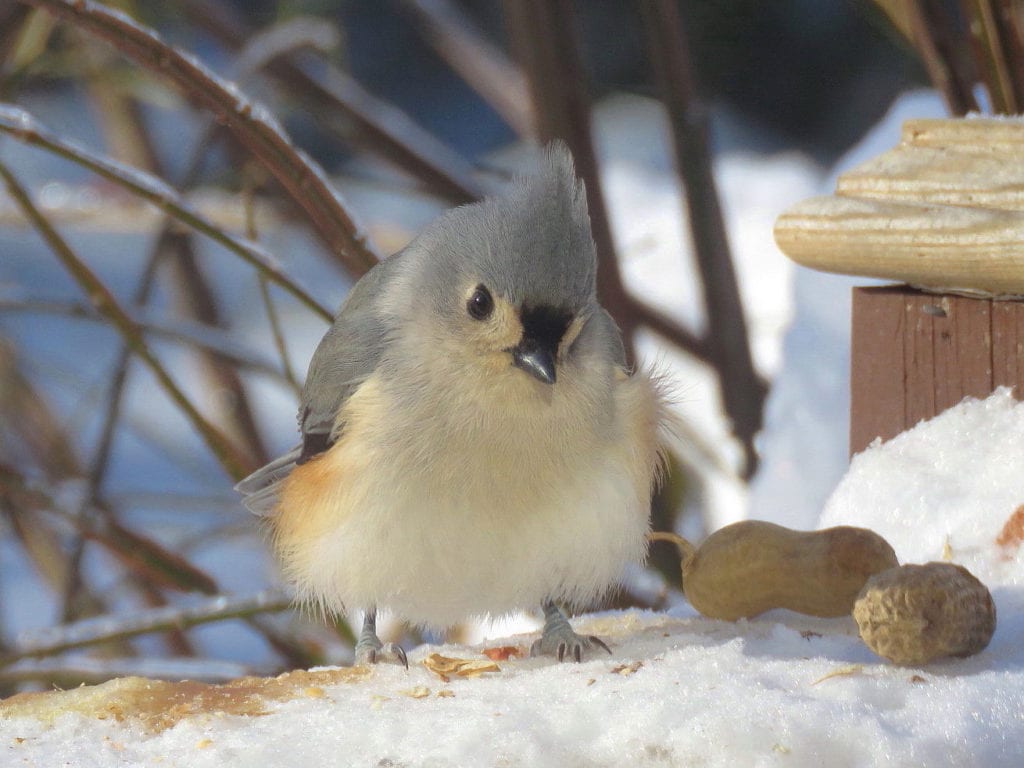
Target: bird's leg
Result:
[369, 648]
[559, 640]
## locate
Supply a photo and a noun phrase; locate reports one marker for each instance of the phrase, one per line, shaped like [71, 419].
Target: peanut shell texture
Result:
[914, 614]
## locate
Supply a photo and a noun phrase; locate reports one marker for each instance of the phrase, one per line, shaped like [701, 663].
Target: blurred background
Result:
[171, 250]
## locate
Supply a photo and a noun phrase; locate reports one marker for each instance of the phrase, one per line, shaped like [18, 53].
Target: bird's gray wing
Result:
[346, 356]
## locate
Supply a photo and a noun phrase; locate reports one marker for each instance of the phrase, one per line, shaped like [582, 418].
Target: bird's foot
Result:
[375, 653]
[370, 650]
[560, 640]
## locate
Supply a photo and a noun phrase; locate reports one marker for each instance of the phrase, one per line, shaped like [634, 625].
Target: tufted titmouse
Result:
[472, 442]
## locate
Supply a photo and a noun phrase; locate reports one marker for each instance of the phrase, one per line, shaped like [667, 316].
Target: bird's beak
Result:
[536, 359]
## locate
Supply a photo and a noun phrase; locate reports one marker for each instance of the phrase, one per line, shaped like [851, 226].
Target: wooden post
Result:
[914, 354]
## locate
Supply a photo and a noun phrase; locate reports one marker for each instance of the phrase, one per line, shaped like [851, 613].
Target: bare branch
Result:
[234, 463]
[53, 640]
[80, 669]
[934, 37]
[181, 331]
[996, 53]
[250, 123]
[331, 92]
[21, 125]
[743, 391]
[476, 60]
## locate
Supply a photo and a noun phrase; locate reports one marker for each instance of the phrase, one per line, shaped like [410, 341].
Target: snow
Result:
[679, 689]
[648, 219]
[956, 488]
[805, 438]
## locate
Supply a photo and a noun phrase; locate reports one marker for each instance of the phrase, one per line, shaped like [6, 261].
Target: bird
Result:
[473, 442]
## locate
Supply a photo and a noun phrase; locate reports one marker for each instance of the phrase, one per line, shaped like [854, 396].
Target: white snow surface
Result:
[679, 689]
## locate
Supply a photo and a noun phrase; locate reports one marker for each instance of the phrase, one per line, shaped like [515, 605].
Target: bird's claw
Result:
[567, 645]
[370, 650]
[375, 653]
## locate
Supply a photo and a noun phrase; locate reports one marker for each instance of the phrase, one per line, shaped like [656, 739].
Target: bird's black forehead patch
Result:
[544, 323]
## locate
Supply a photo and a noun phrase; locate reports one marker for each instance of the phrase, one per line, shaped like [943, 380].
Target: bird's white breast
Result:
[474, 507]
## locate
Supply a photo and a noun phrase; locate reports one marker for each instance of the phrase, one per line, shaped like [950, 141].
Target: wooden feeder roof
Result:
[943, 210]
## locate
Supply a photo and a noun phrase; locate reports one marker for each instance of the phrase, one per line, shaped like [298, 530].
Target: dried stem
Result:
[84, 670]
[249, 123]
[991, 55]
[196, 299]
[22, 126]
[144, 557]
[179, 331]
[268, 303]
[13, 19]
[934, 37]
[38, 431]
[104, 629]
[476, 60]
[997, 52]
[743, 391]
[195, 295]
[1009, 20]
[234, 463]
[330, 92]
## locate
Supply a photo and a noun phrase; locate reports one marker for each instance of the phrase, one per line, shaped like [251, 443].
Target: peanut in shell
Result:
[918, 613]
[753, 566]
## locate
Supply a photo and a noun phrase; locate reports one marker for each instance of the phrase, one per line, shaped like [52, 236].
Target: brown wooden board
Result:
[915, 354]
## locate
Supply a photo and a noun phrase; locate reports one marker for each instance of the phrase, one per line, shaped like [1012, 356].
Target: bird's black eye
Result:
[480, 304]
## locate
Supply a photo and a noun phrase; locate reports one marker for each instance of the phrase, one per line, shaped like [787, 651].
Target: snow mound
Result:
[949, 488]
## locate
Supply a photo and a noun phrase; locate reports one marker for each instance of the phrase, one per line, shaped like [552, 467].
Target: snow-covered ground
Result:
[679, 689]
[781, 689]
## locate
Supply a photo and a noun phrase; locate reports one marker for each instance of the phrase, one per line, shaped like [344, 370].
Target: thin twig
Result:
[196, 296]
[234, 463]
[268, 304]
[38, 433]
[277, 41]
[935, 40]
[180, 331]
[250, 123]
[197, 299]
[104, 629]
[85, 670]
[145, 557]
[18, 496]
[331, 93]
[476, 60]
[21, 125]
[1009, 19]
[671, 331]
[993, 46]
[13, 19]
[282, 39]
[124, 132]
[279, 341]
